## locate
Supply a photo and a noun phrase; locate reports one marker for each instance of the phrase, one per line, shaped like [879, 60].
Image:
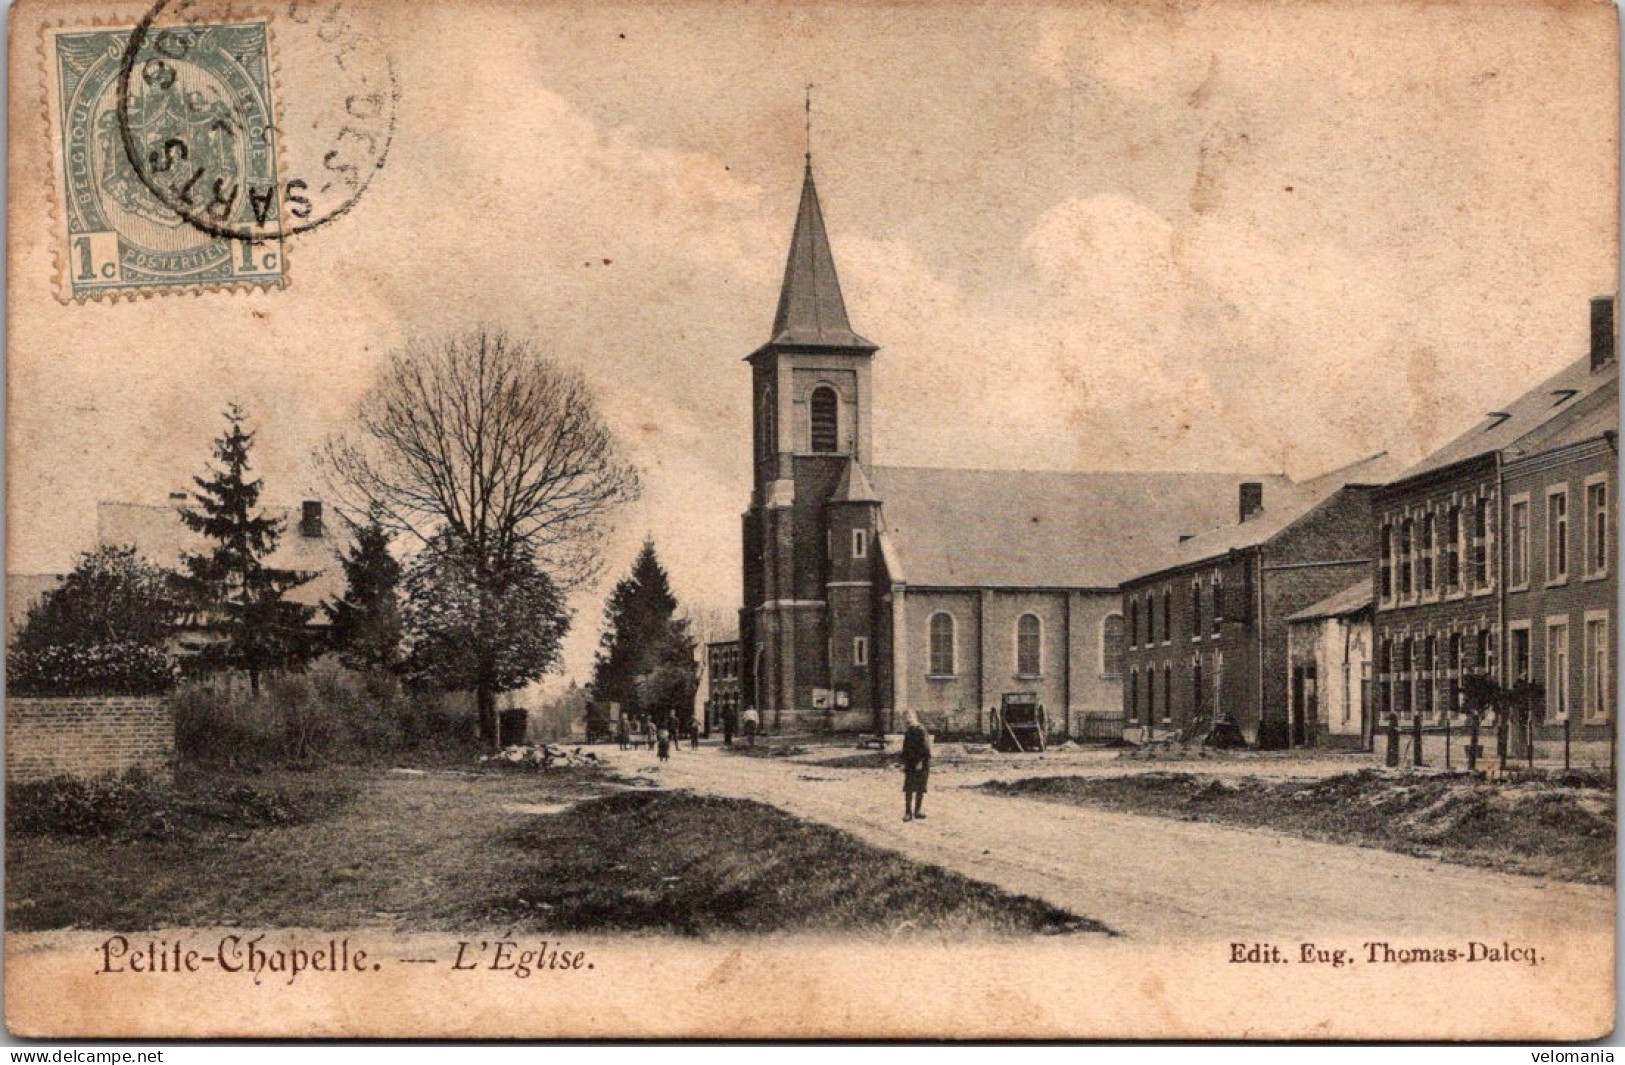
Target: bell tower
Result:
[810, 387]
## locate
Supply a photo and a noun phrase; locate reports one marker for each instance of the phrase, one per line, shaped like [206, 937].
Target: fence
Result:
[88, 737]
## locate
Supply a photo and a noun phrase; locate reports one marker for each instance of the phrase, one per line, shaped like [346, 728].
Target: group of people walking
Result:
[661, 731]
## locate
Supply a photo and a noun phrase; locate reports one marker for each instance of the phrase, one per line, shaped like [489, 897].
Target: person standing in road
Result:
[663, 738]
[753, 721]
[916, 767]
[730, 720]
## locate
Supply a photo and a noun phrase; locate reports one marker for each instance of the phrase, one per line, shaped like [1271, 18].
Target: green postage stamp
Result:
[168, 162]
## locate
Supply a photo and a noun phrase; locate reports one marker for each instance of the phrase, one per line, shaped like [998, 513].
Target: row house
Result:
[1493, 552]
[1207, 629]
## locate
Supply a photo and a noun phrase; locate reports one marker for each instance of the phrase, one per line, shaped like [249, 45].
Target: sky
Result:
[1239, 235]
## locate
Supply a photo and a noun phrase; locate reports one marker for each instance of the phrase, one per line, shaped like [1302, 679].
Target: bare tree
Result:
[481, 447]
[481, 437]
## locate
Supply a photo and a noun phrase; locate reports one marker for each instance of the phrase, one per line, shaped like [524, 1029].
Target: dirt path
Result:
[1151, 878]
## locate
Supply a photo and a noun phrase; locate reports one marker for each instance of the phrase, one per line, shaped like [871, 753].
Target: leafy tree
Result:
[496, 460]
[242, 597]
[645, 657]
[474, 625]
[101, 631]
[112, 595]
[366, 622]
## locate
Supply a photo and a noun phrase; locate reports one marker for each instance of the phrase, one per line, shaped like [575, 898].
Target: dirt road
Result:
[1154, 879]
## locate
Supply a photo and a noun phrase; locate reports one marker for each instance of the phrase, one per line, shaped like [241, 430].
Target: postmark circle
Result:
[201, 132]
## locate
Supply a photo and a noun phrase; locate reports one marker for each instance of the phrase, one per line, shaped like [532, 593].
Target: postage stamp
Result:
[150, 143]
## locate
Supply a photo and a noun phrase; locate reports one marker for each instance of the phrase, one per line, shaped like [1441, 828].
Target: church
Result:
[871, 590]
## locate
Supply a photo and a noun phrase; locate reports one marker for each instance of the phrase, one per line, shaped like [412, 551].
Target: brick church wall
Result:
[88, 737]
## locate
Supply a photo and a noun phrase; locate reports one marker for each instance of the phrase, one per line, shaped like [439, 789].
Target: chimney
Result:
[1252, 498]
[1602, 332]
[310, 519]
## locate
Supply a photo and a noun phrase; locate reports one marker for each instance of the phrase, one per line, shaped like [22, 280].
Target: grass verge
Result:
[473, 850]
[1561, 828]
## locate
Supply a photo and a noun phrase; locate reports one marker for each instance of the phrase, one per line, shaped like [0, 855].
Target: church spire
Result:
[811, 311]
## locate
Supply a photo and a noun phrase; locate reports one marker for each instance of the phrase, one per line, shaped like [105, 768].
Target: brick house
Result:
[1495, 552]
[1207, 626]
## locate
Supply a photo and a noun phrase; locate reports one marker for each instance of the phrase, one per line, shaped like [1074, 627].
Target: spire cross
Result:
[809, 123]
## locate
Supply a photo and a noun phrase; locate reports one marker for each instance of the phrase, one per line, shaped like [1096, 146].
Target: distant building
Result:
[1514, 520]
[722, 682]
[870, 590]
[1207, 625]
[1329, 670]
[308, 544]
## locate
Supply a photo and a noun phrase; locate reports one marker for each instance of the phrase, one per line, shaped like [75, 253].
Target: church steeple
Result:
[811, 311]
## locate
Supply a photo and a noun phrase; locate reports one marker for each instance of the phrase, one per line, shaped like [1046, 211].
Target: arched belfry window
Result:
[826, 408]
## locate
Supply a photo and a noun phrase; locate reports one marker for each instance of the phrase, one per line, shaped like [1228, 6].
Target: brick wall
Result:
[88, 737]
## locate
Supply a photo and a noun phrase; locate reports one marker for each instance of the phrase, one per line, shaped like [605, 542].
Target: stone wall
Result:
[88, 737]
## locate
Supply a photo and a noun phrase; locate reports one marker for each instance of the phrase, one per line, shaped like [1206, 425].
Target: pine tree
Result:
[644, 641]
[366, 623]
[241, 596]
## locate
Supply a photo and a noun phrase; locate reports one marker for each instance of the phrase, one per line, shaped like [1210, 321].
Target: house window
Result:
[1029, 642]
[1518, 542]
[1402, 679]
[1453, 664]
[1519, 651]
[1150, 619]
[860, 543]
[1133, 695]
[1167, 614]
[1167, 692]
[1557, 670]
[1424, 559]
[1486, 652]
[826, 407]
[1557, 535]
[1596, 528]
[1451, 547]
[1196, 684]
[1133, 622]
[1598, 653]
[1424, 678]
[1150, 695]
[942, 645]
[860, 650]
[1196, 609]
[1407, 531]
[1218, 602]
[1481, 544]
[1385, 663]
[1385, 571]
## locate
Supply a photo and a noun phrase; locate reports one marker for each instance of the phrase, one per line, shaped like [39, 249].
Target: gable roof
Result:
[1043, 529]
[1525, 415]
[157, 534]
[811, 311]
[1584, 418]
[1351, 600]
[1280, 512]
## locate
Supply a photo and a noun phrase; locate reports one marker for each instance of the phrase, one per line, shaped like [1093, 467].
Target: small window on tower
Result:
[860, 543]
[860, 651]
[825, 420]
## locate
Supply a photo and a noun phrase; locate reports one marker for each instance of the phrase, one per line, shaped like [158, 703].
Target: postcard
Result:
[1056, 520]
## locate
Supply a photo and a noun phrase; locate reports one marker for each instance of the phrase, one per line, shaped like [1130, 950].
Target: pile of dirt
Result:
[1560, 827]
[544, 756]
[764, 750]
